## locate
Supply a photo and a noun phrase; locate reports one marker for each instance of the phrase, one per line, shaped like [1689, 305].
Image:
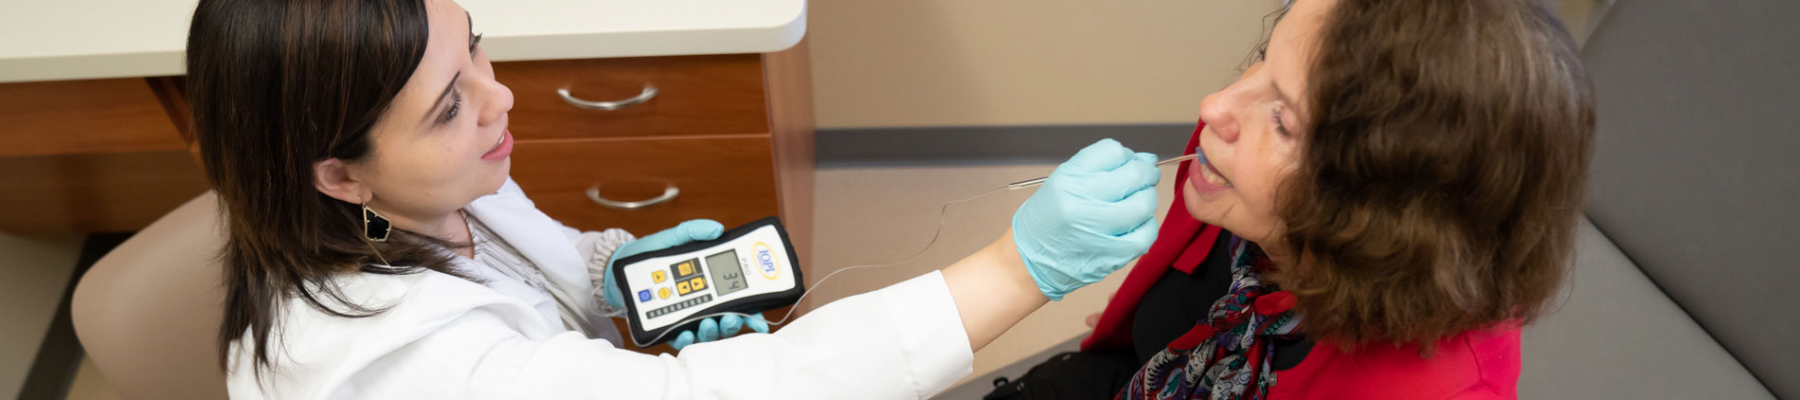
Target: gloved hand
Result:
[686, 232]
[1094, 214]
[691, 231]
[725, 327]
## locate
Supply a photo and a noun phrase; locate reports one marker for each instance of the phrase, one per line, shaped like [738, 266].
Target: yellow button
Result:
[698, 283]
[663, 293]
[687, 268]
[683, 287]
[658, 276]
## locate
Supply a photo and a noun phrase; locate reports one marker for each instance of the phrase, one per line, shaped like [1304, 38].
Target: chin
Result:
[498, 177]
[1197, 208]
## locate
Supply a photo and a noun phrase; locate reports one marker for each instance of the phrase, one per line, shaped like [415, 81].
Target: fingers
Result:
[1103, 155]
[729, 325]
[684, 233]
[1110, 186]
[1128, 214]
[701, 229]
[758, 324]
[1140, 239]
[709, 330]
[723, 327]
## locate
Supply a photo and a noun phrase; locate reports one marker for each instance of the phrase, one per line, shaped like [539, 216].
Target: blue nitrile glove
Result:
[686, 232]
[1095, 213]
[726, 327]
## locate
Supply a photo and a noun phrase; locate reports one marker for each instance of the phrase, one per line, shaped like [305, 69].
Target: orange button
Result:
[698, 283]
[658, 276]
[683, 287]
[663, 293]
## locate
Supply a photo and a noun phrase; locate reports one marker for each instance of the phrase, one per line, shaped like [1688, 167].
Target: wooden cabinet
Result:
[695, 95]
[730, 179]
[90, 156]
[732, 133]
[84, 117]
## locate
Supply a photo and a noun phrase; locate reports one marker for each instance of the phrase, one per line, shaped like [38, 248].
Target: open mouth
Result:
[1209, 177]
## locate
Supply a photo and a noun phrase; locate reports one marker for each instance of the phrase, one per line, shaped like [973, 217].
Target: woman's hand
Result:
[687, 232]
[1095, 213]
[720, 328]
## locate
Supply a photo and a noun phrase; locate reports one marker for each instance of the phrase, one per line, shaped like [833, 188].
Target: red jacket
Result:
[1471, 365]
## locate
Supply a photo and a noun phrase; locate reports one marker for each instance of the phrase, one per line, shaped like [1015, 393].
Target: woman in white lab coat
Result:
[377, 248]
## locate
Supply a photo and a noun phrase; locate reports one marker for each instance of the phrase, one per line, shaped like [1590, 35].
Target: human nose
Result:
[500, 102]
[1217, 110]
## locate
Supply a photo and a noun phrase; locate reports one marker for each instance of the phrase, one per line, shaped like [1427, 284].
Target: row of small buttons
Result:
[679, 306]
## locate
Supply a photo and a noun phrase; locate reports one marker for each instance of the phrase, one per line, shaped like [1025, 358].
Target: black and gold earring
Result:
[375, 227]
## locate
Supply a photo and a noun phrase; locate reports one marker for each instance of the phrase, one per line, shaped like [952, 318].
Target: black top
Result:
[1178, 300]
[1168, 310]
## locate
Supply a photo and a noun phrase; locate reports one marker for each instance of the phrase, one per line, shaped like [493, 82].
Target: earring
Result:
[375, 227]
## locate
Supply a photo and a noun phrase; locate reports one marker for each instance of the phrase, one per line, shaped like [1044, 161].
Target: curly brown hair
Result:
[1443, 169]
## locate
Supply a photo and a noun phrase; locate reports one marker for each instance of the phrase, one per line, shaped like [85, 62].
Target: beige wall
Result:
[912, 63]
[1009, 62]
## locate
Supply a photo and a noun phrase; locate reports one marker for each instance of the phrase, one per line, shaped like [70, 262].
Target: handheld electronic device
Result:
[748, 269]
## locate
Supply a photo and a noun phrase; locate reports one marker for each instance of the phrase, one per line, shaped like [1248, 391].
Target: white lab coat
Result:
[450, 338]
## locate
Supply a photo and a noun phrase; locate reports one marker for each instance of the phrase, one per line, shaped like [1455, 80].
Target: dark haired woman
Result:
[377, 249]
[1382, 201]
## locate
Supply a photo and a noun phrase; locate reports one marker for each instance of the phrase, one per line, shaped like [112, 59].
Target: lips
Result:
[502, 149]
[1204, 177]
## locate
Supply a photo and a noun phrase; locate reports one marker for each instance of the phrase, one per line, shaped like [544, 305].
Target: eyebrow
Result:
[446, 93]
[441, 95]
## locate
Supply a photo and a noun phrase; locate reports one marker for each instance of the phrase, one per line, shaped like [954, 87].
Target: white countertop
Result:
[42, 40]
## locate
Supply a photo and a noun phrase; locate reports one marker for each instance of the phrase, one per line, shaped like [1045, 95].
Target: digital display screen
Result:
[727, 274]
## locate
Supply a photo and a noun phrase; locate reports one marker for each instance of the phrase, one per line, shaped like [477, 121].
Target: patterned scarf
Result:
[1227, 355]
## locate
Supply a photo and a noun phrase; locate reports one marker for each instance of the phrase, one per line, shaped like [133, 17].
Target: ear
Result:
[333, 178]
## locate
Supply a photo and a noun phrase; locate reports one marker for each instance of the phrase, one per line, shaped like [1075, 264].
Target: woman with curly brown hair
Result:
[1381, 202]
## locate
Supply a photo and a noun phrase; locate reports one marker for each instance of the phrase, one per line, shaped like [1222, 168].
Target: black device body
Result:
[747, 305]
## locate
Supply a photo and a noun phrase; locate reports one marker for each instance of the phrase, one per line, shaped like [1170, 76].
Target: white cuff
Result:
[930, 331]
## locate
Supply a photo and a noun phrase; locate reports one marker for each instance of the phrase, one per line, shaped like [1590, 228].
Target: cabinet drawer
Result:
[77, 117]
[695, 95]
[730, 179]
[95, 192]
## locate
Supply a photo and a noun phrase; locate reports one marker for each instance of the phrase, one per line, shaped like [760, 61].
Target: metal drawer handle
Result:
[648, 93]
[669, 193]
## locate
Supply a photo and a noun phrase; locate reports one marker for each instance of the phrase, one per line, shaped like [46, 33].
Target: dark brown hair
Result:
[1443, 169]
[277, 86]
